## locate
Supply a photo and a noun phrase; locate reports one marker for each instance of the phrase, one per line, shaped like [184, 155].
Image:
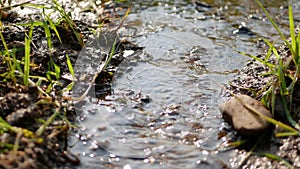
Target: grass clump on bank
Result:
[36, 74]
[281, 92]
[31, 121]
[285, 74]
[35, 120]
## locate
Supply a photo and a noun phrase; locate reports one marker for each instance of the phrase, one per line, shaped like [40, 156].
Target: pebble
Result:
[243, 120]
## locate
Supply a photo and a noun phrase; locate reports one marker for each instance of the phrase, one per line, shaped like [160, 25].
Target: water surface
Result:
[163, 111]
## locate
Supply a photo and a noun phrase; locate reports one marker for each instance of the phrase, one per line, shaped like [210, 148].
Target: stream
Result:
[163, 111]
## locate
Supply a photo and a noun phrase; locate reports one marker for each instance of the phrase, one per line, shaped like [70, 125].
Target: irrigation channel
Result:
[163, 110]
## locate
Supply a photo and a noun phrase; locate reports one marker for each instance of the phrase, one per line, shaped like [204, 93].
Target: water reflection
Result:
[163, 110]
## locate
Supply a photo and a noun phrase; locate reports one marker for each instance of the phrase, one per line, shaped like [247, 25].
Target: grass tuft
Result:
[284, 79]
[284, 72]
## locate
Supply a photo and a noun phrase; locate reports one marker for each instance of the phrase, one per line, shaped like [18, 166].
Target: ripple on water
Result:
[163, 110]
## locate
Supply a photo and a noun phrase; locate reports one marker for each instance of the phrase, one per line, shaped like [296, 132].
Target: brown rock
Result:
[243, 120]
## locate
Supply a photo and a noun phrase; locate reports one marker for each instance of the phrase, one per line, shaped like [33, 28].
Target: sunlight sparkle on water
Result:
[127, 166]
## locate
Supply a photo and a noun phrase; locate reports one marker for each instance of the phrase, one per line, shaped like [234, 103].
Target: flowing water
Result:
[163, 112]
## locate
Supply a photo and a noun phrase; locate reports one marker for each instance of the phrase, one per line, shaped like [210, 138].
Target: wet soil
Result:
[37, 119]
[26, 108]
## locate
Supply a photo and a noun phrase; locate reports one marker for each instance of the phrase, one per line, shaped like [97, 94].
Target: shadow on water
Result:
[163, 112]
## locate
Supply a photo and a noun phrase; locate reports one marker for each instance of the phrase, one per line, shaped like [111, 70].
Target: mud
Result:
[32, 142]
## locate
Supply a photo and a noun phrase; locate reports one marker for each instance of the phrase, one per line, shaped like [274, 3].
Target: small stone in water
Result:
[243, 120]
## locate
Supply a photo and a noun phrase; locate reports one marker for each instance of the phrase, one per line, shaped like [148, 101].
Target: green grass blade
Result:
[40, 78]
[287, 113]
[39, 82]
[6, 52]
[112, 52]
[5, 146]
[4, 42]
[14, 67]
[69, 87]
[298, 47]
[268, 55]
[237, 143]
[48, 34]
[33, 5]
[285, 134]
[292, 30]
[70, 65]
[48, 90]
[70, 22]
[53, 27]
[275, 52]
[36, 23]
[277, 158]
[282, 125]
[294, 48]
[42, 128]
[27, 57]
[273, 99]
[266, 63]
[272, 21]
[27, 62]
[281, 78]
[57, 70]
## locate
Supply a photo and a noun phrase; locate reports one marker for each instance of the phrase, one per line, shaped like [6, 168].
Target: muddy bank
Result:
[37, 113]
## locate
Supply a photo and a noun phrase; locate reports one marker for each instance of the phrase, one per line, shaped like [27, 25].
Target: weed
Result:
[27, 58]
[20, 72]
[283, 81]
[284, 78]
[66, 17]
[6, 55]
[24, 73]
[281, 70]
